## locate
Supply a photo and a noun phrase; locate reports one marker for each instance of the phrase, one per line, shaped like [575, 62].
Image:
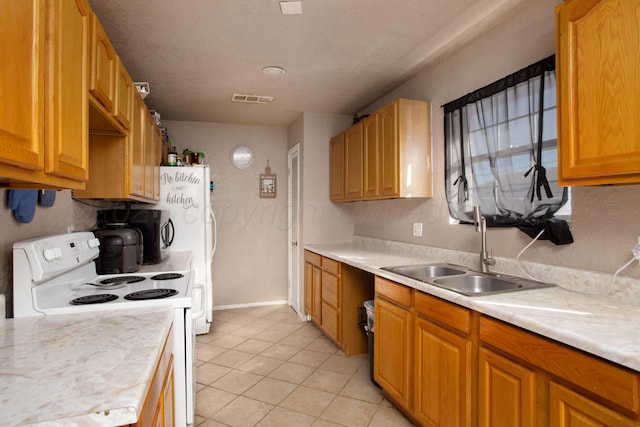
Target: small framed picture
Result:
[267, 186]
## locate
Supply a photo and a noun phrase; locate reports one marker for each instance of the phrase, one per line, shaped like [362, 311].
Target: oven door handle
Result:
[198, 288]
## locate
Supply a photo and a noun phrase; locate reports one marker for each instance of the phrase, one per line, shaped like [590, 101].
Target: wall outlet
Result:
[417, 229]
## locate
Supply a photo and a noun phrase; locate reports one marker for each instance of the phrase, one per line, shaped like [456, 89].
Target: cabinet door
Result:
[598, 91]
[308, 288]
[392, 347]
[22, 106]
[389, 150]
[316, 312]
[506, 392]
[124, 95]
[136, 140]
[336, 168]
[569, 409]
[353, 156]
[442, 376]
[66, 110]
[103, 66]
[151, 154]
[371, 157]
[168, 391]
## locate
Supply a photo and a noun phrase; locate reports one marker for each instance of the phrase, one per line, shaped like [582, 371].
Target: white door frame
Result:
[293, 226]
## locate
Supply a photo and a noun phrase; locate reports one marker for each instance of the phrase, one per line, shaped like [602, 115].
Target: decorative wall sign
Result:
[268, 183]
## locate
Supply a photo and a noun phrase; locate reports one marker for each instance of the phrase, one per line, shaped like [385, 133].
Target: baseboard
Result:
[253, 304]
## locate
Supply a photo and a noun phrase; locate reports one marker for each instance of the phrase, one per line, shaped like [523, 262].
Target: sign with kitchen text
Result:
[181, 186]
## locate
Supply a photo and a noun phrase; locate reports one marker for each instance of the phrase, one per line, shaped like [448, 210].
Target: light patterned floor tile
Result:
[270, 390]
[236, 381]
[308, 401]
[351, 412]
[258, 357]
[282, 417]
[243, 412]
[292, 372]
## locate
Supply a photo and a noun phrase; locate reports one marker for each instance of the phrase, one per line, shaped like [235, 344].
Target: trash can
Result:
[368, 306]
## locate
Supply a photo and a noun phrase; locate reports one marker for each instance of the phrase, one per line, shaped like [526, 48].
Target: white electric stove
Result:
[56, 275]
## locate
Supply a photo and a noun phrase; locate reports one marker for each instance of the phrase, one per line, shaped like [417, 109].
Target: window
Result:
[501, 150]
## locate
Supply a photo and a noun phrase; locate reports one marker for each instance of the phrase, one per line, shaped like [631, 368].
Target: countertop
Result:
[595, 324]
[82, 369]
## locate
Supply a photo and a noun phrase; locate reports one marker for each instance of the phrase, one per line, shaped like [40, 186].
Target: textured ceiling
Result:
[339, 55]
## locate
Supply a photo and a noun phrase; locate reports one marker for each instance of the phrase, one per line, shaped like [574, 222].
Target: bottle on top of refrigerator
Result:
[172, 158]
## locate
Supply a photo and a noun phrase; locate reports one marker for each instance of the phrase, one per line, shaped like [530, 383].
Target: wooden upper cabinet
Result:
[67, 150]
[353, 157]
[371, 160]
[598, 91]
[388, 155]
[43, 141]
[123, 95]
[389, 150]
[336, 168]
[103, 66]
[21, 123]
[405, 153]
[136, 142]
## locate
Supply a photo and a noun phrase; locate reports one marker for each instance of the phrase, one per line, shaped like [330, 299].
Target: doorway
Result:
[293, 162]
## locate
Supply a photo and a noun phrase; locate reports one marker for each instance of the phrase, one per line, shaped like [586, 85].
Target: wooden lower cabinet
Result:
[392, 347]
[572, 388]
[443, 364]
[158, 408]
[442, 371]
[570, 409]
[334, 295]
[506, 392]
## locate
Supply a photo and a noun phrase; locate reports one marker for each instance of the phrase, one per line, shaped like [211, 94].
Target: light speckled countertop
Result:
[82, 369]
[595, 324]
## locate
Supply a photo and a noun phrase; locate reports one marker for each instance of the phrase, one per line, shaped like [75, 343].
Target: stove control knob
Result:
[52, 253]
[93, 243]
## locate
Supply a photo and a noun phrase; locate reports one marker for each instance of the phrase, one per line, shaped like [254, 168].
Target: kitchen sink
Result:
[464, 281]
[427, 271]
[478, 284]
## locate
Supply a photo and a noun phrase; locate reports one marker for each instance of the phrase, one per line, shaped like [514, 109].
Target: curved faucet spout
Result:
[480, 223]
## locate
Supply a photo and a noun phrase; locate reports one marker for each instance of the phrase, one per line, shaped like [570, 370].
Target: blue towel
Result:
[47, 198]
[23, 204]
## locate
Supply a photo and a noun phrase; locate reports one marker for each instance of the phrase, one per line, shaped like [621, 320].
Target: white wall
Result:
[605, 225]
[250, 263]
[322, 221]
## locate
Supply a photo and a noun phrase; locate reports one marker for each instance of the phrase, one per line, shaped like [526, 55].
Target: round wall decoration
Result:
[241, 157]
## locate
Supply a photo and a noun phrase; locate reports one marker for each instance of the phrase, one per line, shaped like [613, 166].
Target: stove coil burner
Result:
[151, 294]
[122, 279]
[94, 299]
[167, 276]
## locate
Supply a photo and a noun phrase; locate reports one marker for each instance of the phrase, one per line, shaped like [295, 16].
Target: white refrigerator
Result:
[185, 192]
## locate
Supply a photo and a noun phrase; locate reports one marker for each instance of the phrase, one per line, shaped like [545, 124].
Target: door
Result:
[293, 161]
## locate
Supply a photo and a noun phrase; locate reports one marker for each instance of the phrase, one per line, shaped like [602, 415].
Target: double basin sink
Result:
[465, 281]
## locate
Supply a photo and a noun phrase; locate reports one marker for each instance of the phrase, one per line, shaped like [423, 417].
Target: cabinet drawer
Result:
[313, 258]
[395, 292]
[330, 321]
[330, 265]
[330, 289]
[443, 312]
[605, 379]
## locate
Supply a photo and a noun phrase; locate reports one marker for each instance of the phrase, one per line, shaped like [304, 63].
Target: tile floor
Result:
[264, 366]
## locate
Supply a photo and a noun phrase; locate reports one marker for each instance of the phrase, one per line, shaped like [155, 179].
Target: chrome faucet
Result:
[480, 222]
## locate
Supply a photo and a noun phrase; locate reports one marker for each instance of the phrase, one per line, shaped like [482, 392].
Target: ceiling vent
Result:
[251, 99]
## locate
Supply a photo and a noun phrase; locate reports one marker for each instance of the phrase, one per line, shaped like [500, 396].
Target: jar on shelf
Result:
[201, 158]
